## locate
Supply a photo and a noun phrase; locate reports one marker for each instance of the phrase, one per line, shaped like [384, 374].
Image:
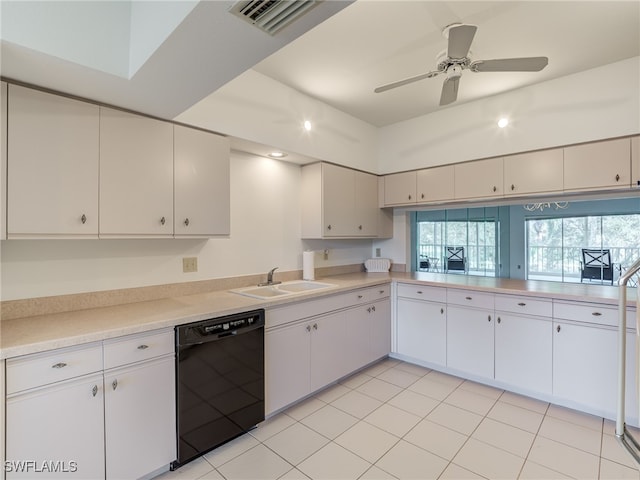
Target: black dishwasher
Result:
[219, 381]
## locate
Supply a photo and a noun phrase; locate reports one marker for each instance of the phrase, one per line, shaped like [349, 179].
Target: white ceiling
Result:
[372, 43]
[350, 51]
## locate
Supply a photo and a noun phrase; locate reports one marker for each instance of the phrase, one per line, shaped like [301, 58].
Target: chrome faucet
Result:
[269, 278]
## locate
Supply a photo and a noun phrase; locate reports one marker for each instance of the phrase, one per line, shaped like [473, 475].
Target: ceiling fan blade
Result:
[406, 81]
[460, 38]
[525, 64]
[449, 91]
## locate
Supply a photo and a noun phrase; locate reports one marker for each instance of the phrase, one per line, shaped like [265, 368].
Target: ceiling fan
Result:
[457, 58]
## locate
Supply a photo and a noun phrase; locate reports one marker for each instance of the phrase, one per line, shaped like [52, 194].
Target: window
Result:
[473, 229]
[554, 245]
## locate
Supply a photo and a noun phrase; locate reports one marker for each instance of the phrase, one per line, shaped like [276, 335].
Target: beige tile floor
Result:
[398, 420]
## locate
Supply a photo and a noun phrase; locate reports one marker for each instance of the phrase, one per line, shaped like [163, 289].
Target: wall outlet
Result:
[378, 252]
[326, 254]
[189, 264]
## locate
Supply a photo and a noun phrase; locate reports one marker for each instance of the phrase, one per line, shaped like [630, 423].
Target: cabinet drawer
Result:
[470, 298]
[44, 368]
[135, 348]
[421, 292]
[588, 312]
[373, 293]
[524, 305]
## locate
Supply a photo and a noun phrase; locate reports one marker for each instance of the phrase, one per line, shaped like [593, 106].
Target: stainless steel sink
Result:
[293, 287]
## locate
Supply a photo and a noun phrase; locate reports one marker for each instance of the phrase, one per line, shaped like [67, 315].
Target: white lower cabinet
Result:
[422, 330]
[68, 416]
[306, 353]
[470, 340]
[139, 406]
[523, 352]
[58, 427]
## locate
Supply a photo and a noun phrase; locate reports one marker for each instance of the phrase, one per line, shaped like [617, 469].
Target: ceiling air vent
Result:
[272, 15]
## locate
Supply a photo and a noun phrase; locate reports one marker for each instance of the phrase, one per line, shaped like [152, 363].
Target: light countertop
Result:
[23, 336]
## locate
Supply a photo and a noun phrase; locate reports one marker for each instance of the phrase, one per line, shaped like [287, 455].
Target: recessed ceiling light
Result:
[503, 122]
[307, 125]
[277, 154]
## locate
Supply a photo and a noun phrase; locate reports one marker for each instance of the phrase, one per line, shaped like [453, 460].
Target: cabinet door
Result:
[435, 184]
[140, 420]
[400, 188]
[379, 326]
[598, 165]
[479, 179]
[422, 330]
[201, 164]
[523, 355]
[333, 352]
[635, 161]
[136, 175]
[338, 200]
[366, 207]
[287, 365]
[3, 162]
[53, 148]
[470, 341]
[62, 422]
[534, 172]
[585, 366]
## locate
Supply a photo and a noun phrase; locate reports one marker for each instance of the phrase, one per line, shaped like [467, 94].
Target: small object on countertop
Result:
[377, 265]
[308, 266]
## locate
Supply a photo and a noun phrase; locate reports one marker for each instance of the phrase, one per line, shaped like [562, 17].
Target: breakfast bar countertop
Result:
[22, 336]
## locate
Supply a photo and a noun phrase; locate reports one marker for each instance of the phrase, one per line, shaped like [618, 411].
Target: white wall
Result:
[600, 103]
[257, 108]
[265, 233]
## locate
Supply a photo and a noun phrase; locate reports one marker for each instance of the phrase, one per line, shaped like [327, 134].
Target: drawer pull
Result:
[315, 326]
[94, 390]
[369, 309]
[441, 311]
[359, 297]
[419, 292]
[596, 314]
[468, 298]
[308, 328]
[499, 320]
[558, 329]
[114, 384]
[143, 347]
[489, 317]
[373, 308]
[59, 365]
[522, 304]
[381, 292]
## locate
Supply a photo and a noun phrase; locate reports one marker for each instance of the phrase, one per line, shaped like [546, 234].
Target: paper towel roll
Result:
[308, 267]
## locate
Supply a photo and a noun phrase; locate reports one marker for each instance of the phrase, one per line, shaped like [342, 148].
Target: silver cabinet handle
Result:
[94, 390]
[308, 328]
[328, 227]
[409, 197]
[489, 317]
[381, 292]
[422, 196]
[83, 219]
[617, 177]
[596, 314]
[513, 187]
[114, 384]
[315, 326]
[468, 298]
[359, 297]
[369, 309]
[373, 308]
[419, 292]
[495, 188]
[359, 227]
[522, 304]
[143, 347]
[186, 222]
[558, 329]
[499, 320]
[59, 365]
[441, 311]
[162, 221]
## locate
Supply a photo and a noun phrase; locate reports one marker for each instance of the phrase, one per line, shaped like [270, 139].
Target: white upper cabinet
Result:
[201, 163]
[435, 184]
[599, 165]
[339, 202]
[136, 175]
[400, 188]
[3, 161]
[534, 172]
[53, 146]
[635, 161]
[479, 179]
